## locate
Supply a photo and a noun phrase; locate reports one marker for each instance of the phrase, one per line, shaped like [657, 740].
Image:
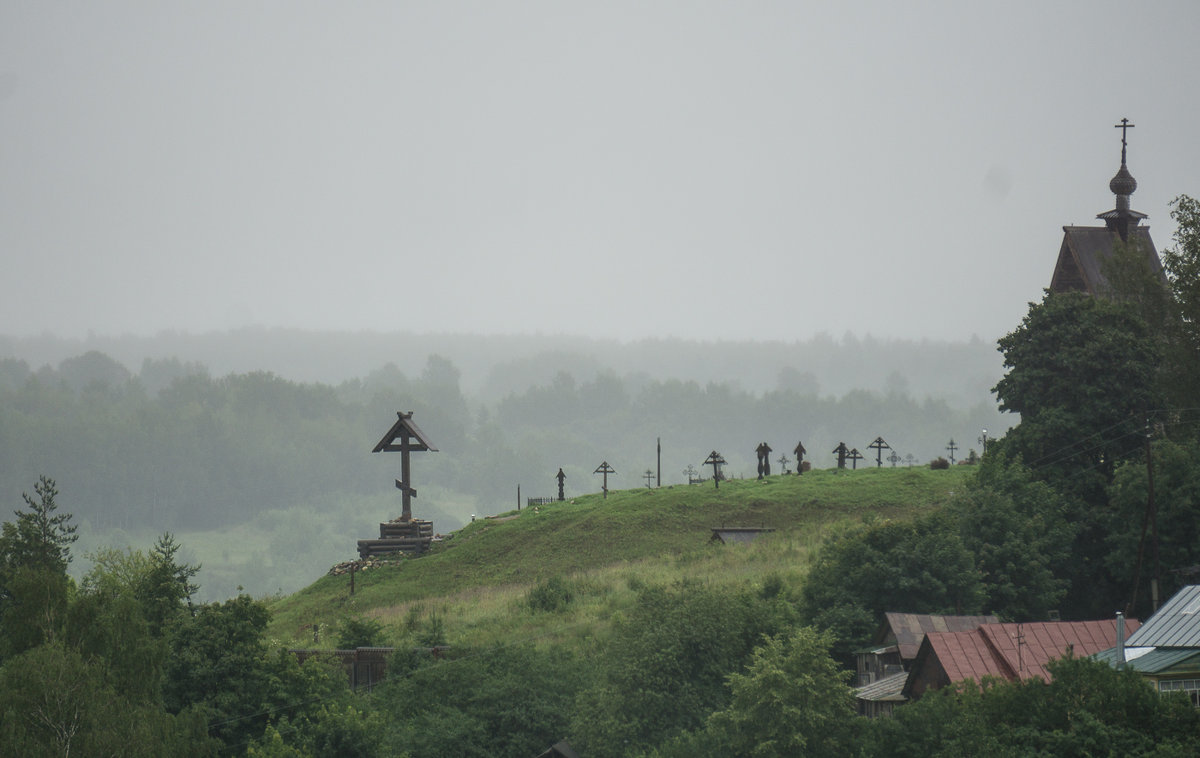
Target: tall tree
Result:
[40, 537]
[792, 700]
[34, 553]
[1182, 263]
[1082, 373]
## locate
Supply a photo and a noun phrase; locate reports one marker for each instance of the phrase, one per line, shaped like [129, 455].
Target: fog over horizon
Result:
[708, 171]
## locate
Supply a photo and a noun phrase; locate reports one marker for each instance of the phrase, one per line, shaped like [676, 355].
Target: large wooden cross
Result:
[605, 469]
[404, 437]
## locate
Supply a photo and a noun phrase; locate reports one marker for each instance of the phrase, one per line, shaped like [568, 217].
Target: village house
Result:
[1166, 649]
[1005, 651]
[883, 665]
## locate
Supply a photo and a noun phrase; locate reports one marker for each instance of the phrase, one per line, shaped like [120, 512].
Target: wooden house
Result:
[1166, 649]
[883, 665]
[1005, 651]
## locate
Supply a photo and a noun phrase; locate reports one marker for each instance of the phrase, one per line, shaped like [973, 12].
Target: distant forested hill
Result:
[209, 433]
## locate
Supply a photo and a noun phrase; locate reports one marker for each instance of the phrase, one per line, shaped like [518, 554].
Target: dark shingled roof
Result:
[909, 629]
[1083, 250]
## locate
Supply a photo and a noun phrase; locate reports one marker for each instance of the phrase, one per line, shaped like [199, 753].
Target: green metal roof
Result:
[1157, 660]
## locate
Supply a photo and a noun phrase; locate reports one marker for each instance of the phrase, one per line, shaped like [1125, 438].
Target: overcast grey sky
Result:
[733, 170]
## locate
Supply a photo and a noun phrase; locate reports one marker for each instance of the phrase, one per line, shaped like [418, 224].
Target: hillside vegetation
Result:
[476, 581]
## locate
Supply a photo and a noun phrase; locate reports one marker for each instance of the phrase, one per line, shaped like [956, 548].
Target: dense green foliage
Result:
[1082, 376]
[1087, 709]
[921, 566]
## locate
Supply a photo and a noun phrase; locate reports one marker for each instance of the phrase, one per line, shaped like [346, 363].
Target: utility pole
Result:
[658, 483]
[1153, 508]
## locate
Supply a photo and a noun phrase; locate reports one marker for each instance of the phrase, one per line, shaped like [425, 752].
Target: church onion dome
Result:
[1123, 183]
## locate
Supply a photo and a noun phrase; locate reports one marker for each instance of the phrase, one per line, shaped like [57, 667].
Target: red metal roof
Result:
[1021, 651]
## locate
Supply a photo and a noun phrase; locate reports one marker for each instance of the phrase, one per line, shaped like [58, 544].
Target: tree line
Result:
[174, 448]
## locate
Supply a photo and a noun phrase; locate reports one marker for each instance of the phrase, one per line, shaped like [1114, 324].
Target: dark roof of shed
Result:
[1083, 250]
[559, 750]
[727, 534]
[908, 629]
[1176, 624]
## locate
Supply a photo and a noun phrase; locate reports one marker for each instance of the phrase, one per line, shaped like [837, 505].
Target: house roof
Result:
[1175, 625]
[909, 629]
[1151, 660]
[1083, 251]
[1027, 648]
[889, 688]
[1014, 651]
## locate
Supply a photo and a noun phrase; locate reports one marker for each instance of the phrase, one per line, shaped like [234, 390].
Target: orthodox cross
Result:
[842, 452]
[649, 477]
[561, 477]
[910, 459]
[894, 458]
[717, 461]
[854, 457]
[951, 447]
[690, 472]
[783, 462]
[1124, 126]
[878, 445]
[605, 469]
[799, 451]
[404, 437]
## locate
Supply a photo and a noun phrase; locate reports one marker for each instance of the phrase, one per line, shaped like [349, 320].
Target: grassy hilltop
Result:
[475, 585]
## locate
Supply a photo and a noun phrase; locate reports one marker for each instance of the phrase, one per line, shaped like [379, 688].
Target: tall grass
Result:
[478, 582]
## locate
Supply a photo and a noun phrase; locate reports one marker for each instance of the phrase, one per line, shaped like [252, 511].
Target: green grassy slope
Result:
[476, 579]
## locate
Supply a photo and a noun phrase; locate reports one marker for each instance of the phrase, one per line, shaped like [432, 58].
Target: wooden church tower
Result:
[1085, 248]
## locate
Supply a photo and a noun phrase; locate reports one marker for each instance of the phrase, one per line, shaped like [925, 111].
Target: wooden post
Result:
[658, 481]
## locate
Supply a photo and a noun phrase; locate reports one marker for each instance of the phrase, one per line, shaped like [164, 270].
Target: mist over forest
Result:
[253, 446]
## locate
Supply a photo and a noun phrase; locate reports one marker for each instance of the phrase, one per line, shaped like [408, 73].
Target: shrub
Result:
[550, 595]
[939, 463]
[359, 632]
